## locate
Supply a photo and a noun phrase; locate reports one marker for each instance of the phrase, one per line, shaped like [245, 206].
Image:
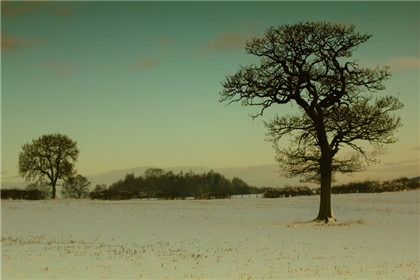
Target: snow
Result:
[376, 237]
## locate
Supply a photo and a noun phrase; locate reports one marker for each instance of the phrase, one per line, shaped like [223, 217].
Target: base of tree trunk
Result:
[326, 219]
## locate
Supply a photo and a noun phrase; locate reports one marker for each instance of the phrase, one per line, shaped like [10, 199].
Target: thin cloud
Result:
[194, 54]
[415, 148]
[404, 63]
[400, 163]
[65, 10]
[165, 40]
[16, 11]
[33, 7]
[142, 65]
[14, 8]
[227, 41]
[406, 170]
[39, 41]
[62, 68]
[10, 43]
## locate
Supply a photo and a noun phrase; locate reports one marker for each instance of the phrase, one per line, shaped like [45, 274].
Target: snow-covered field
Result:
[377, 237]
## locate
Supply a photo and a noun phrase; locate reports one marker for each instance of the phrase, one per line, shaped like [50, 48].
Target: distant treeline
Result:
[156, 183]
[401, 184]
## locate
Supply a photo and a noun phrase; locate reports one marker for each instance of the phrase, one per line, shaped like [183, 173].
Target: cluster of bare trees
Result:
[50, 159]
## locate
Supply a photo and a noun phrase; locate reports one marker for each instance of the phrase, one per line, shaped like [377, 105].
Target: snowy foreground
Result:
[377, 237]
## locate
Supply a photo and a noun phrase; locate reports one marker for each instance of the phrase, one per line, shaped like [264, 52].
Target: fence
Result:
[241, 196]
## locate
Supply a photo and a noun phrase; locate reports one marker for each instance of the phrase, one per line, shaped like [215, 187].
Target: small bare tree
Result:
[75, 187]
[308, 64]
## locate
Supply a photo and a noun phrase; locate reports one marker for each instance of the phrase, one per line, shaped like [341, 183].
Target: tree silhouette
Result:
[308, 64]
[50, 157]
[75, 187]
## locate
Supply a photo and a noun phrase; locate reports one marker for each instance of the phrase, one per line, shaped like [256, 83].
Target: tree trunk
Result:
[53, 191]
[326, 213]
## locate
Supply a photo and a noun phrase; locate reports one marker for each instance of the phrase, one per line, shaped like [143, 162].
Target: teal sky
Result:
[137, 83]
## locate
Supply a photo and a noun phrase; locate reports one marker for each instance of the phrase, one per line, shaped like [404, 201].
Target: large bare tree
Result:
[50, 157]
[309, 64]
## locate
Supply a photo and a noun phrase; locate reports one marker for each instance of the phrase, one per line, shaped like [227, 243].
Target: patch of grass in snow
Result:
[39, 239]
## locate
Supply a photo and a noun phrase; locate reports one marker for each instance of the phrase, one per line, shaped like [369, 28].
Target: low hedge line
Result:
[166, 195]
[288, 191]
[360, 187]
[21, 194]
[111, 195]
[212, 195]
[376, 187]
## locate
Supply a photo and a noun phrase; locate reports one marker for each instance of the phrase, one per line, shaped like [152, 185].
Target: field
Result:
[376, 237]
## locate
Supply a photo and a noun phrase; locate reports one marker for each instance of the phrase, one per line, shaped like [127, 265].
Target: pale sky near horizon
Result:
[137, 83]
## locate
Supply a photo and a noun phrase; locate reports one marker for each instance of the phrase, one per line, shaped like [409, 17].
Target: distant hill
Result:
[13, 182]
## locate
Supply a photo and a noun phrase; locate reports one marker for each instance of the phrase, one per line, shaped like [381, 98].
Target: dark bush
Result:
[219, 195]
[305, 191]
[288, 191]
[43, 187]
[166, 195]
[111, 195]
[212, 195]
[377, 187]
[21, 194]
[272, 193]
